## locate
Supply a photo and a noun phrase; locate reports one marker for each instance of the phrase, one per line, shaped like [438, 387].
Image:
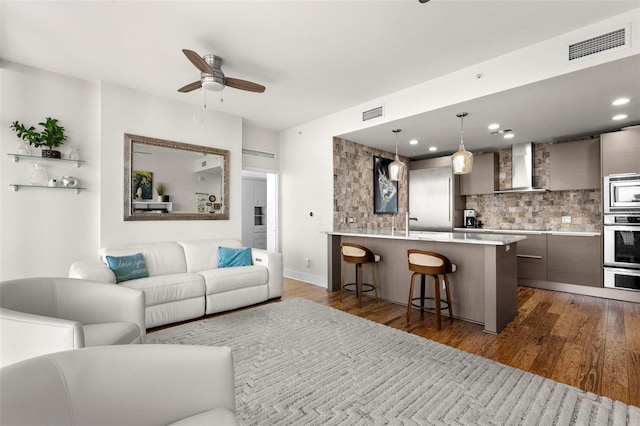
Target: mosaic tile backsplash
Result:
[353, 196]
[353, 188]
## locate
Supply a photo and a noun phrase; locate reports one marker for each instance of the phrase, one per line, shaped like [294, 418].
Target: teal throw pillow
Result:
[228, 257]
[128, 267]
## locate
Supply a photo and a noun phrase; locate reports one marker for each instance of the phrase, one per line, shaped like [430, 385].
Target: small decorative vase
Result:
[159, 198]
[73, 154]
[23, 148]
[69, 182]
[38, 175]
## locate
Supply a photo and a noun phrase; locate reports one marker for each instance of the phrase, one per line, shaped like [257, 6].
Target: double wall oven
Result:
[621, 197]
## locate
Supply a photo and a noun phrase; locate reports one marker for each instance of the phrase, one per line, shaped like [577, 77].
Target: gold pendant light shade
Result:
[462, 160]
[397, 168]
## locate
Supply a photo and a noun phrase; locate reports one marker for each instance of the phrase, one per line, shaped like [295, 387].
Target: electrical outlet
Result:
[307, 262]
[566, 219]
[349, 220]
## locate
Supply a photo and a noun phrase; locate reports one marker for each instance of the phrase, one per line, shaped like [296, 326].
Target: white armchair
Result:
[121, 385]
[44, 315]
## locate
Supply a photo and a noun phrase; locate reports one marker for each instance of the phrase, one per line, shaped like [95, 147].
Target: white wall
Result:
[43, 230]
[128, 111]
[306, 151]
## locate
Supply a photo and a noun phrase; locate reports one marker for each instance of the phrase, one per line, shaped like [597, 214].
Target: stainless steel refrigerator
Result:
[432, 199]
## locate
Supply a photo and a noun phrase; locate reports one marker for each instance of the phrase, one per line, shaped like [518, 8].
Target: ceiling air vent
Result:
[256, 153]
[372, 113]
[613, 40]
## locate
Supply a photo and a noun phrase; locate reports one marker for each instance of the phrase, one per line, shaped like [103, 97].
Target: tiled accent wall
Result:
[537, 211]
[353, 188]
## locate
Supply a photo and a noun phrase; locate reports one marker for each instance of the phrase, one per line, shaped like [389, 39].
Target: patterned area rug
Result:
[301, 363]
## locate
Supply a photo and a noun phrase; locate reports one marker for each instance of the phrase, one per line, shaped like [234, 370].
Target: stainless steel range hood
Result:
[522, 170]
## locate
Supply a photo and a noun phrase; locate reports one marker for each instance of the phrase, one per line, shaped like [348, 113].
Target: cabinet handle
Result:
[529, 256]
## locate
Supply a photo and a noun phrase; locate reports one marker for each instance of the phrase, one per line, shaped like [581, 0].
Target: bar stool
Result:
[424, 263]
[358, 255]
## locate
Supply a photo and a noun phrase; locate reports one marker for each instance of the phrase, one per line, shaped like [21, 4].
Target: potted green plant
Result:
[52, 136]
[161, 189]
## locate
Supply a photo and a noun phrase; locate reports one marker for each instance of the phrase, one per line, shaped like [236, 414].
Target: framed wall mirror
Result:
[166, 180]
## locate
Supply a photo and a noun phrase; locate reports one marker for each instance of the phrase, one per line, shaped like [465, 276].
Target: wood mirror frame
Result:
[158, 213]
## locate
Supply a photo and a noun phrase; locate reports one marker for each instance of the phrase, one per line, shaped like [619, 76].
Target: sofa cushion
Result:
[224, 279]
[111, 333]
[203, 254]
[128, 267]
[229, 257]
[161, 258]
[168, 288]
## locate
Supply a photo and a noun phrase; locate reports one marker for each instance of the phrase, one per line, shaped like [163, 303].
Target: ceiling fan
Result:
[212, 78]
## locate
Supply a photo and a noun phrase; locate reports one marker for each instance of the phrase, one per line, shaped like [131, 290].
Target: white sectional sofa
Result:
[184, 280]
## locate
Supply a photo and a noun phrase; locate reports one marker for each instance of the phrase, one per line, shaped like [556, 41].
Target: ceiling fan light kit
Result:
[396, 168]
[462, 160]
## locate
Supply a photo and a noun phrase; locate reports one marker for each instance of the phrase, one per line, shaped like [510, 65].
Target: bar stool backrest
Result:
[428, 262]
[355, 253]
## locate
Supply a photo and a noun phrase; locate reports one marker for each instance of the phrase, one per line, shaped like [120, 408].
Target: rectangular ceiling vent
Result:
[372, 113]
[256, 153]
[614, 40]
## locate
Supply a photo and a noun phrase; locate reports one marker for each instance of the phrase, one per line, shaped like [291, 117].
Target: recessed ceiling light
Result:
[620, 101]
[413, 142]
[509, 135]
[619, 117]
[433, 148]
[493, 126]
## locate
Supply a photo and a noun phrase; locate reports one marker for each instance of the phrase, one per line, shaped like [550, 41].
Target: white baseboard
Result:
[307, 278]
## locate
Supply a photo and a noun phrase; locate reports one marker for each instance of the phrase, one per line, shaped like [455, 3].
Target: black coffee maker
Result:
[470, 218]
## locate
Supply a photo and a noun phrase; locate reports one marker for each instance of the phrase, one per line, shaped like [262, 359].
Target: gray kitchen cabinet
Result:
[532, 257]
[483, 179]
[620, 152]
[254, 210]
[574, 259]
[574, 165]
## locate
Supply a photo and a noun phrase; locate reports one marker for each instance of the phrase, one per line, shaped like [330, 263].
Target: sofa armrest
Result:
[116, 303]
[37, 334]
[273, 261]
[92, 270]
[118, 385]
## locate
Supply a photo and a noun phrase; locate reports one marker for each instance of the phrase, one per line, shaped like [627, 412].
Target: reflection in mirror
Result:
[167, 180]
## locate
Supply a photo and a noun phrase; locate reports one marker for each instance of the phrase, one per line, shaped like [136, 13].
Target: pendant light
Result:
[397, 167]
[462, 160]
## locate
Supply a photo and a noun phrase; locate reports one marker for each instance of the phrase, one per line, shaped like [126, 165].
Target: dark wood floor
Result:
[587, 342]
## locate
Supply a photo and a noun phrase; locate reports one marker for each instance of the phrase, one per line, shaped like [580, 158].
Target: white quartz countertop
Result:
[527, 231]
[445, 237]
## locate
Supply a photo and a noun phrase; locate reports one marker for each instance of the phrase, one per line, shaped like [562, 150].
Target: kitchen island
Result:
[483, 289]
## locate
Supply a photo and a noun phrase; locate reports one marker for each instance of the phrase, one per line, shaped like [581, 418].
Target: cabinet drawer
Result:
[532, 257]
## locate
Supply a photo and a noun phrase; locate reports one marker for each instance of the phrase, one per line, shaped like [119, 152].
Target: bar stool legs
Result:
[358, 255]
[424, 263]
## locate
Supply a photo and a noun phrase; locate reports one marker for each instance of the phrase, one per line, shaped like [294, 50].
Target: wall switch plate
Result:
[350, 220]
[566, 219]
[307, 262]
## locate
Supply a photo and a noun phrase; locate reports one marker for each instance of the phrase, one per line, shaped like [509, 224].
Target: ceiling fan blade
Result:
[249, 86]
[191, 86]
[197, 61]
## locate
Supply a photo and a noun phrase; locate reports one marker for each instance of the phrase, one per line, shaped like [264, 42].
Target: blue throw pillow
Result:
[128, 267]
[228, 257]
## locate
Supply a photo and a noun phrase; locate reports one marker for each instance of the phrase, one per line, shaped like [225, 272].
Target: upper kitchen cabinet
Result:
[621, 152]
[574, 165]
[483, 179]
